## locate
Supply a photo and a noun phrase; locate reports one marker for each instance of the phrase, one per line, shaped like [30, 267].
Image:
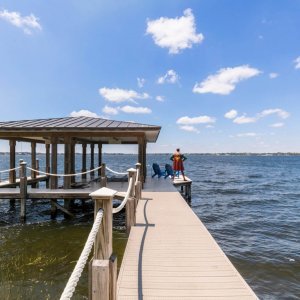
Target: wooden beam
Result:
[92, 159]
[47, 146]
[53, 179]
[67, 163]
[33, 161]
[99, 158]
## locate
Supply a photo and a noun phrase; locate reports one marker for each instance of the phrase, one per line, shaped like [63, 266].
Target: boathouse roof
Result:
[88, 129]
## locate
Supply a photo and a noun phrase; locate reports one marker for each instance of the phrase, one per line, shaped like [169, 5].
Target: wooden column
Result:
[23, 191]
[145, 160]
[104, 266]
[53, 179]
[73, 161]
[67, 162]
[138, 185]
[92, 160]
[99, 158]
[83, 176]
[47, 146]
[142, 157]
[103, 180]
[33, 162]
[12, 161]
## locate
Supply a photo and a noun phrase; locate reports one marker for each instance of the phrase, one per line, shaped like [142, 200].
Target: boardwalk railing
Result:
[103, 266]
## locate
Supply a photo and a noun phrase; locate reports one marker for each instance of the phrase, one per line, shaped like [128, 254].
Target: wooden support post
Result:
[53, 179]
[144, 160]
[47, 146]
[67, 162]
[12, 161]
[37, 167]
[103, 180]
[142, 157]
[113, 272]
[33, 162]
[130, 205]
[92, 160]
[73, 161]
[99, 158]
[104, 266]
[23, 191]
[83, 176]
[138, 185]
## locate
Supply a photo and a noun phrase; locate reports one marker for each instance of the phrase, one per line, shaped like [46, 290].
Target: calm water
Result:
[250, 204]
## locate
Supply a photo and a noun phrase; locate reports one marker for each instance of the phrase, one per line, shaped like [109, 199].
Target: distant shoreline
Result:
[204, 154]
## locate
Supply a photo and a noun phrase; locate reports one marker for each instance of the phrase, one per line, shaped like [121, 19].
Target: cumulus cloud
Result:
[196, 120]
[244, 120]
[247, 134]
[273, 75]
[225, 81]
[110, 110]
[190, 128]
[83, 113]
[140, 82]
[282, 114]
[175, 34]
[277, 111]
[170, 77]
[120, 95]
[135, 110]
[297, 62]
[277, 125]
[27, 23]
[160, 98]
[231, 114]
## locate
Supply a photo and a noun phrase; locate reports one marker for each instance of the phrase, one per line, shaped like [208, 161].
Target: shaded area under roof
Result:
[85, 129]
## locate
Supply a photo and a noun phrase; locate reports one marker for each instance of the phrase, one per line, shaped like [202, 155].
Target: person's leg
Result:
[183, 175]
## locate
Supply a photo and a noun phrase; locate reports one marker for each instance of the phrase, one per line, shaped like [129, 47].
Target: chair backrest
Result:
[156, 169]
[169, 170]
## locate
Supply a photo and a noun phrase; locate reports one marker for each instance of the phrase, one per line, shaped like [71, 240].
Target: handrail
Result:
[73, 280]
[115, 172]
[121, 206]
[63, 175]
[9, 170]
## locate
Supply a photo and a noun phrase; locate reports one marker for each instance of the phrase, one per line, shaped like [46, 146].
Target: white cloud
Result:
[175, 34]
[110, 110]
[277, 125]
[160, 98]
[196, 120]
[225, 81]
[210, 126]
[83, 113]
[273, 75]
[297, 62]
[120, 95]
[231, 114]
[244, 120]
[170, 77]
[135, 110]
[190, 128]
[247, 134]
[27, 23]
[279, 112]
[140, 82]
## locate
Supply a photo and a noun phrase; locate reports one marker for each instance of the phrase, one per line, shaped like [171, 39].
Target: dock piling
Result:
[23, 190]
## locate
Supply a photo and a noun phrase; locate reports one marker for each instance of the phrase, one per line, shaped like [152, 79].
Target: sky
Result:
[217, 75]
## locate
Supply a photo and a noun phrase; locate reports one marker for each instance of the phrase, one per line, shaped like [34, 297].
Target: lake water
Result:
[250, 204]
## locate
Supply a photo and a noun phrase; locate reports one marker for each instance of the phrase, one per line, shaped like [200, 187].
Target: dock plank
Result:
[171, 255]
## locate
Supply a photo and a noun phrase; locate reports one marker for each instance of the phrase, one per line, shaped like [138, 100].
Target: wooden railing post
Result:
[130, 205]
[37, 167]
[104, 265]
[103, 180]
[23, 190]
[138, 185]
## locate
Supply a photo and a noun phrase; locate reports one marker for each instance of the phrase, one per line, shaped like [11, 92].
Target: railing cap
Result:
[138, 164]
[103, 193]
[131, 170]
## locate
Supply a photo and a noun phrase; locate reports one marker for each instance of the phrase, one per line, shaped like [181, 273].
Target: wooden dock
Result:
[171, 255]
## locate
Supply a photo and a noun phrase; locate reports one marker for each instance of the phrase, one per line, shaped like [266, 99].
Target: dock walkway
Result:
[171, 255]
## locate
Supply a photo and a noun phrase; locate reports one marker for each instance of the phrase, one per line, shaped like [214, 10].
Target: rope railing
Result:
[63, 175]
[121, 206]
[74, 278]
[9, 170]
[115, 172]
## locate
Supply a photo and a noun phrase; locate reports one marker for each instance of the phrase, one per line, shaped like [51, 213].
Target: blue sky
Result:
[218, 76]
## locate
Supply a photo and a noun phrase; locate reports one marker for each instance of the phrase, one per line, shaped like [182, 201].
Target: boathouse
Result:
[71, 131]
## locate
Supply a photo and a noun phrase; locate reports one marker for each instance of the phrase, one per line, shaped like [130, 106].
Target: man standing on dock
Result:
[178, 160]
